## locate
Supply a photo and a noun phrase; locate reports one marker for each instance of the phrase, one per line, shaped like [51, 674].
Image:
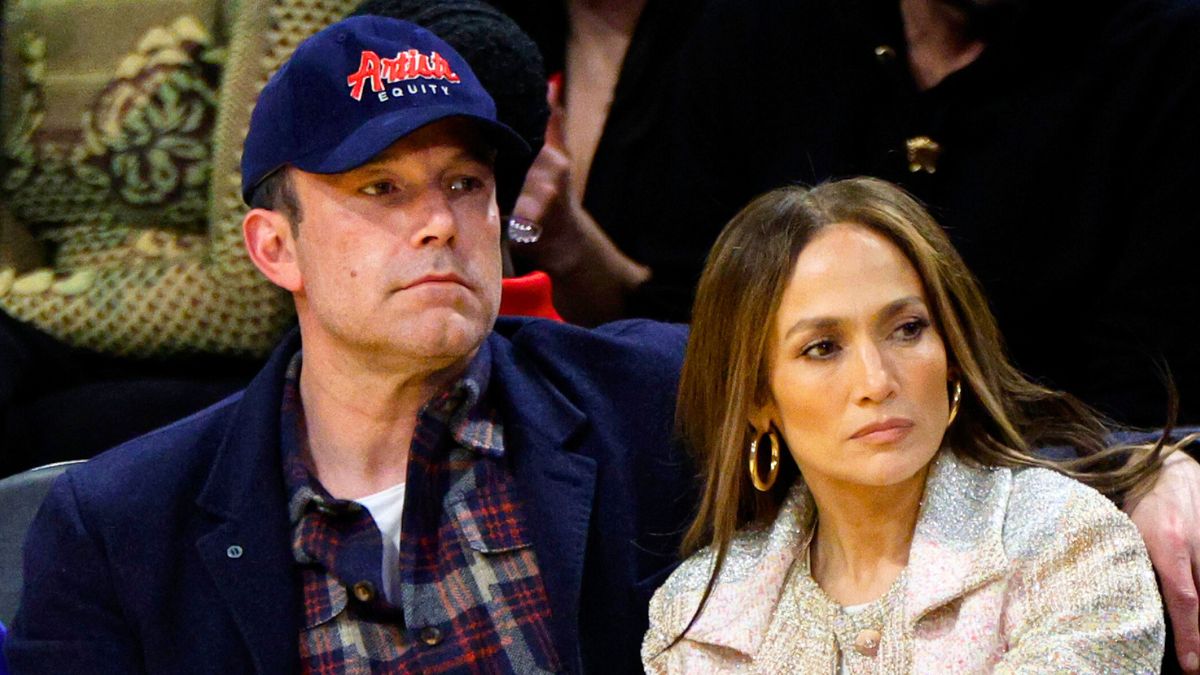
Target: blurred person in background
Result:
[612, 64]
[125, 302]
[1055, 143]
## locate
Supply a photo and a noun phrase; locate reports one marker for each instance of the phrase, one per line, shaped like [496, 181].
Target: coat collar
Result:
[957, 546]
[543, 432]
[752, 579]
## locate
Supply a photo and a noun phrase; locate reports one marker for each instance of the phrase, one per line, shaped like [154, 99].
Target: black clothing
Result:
[1069, 151]
[60, 403]
[631, 157]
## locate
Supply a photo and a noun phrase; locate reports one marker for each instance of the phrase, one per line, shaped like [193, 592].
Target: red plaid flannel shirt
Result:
[471, 597]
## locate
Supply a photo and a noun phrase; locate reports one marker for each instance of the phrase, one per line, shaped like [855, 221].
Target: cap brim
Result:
[381, 132]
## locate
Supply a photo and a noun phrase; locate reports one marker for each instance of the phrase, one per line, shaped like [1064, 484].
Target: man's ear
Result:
[272, 247]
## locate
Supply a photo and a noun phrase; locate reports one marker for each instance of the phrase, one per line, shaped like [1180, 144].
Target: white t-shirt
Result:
[387, 508]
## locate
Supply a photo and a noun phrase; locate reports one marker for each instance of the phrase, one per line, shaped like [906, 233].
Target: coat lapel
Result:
[247, 548]
[958, 544]
[739, 611]
[543, 434]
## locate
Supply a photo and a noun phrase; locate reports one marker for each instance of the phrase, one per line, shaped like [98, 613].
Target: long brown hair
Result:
[725, 373]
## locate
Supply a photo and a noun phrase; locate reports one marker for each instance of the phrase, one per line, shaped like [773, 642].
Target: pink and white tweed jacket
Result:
[1009, 571]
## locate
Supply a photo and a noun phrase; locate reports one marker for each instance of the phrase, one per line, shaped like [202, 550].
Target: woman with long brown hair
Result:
[871, 499]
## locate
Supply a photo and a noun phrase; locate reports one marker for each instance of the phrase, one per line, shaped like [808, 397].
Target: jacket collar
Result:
[543, 435]
[958, 543]
[957, 546]
[753, 579]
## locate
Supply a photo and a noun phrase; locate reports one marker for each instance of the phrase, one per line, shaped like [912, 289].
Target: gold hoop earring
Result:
[773, 472]
[955, 401]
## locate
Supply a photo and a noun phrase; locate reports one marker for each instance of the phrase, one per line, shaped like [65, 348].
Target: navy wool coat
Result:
[171, 553]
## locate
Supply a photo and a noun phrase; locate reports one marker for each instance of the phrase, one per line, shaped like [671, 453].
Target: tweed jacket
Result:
[1009, 570]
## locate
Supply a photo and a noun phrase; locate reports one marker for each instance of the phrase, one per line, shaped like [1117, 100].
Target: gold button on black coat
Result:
[923, 153]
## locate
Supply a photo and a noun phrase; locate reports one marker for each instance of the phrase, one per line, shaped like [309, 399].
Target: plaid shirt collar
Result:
[469, 582]
[462, 407]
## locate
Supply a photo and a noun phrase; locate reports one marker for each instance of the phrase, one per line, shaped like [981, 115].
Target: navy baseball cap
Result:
[353, 89]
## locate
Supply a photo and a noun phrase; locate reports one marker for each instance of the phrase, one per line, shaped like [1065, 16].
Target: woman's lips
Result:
[885, 431]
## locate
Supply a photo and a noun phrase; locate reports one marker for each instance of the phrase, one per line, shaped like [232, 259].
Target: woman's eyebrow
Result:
[824, 323]
[817, 323]
[897, 306]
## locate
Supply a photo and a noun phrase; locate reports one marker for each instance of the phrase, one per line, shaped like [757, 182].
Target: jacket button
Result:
[431, 636]
[328, 509]
[867, 642]
[364, 591]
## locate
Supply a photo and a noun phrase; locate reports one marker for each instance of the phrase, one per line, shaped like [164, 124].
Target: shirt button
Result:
[867, 642]
[885, 54]
[364, 591]
[335, 509]
[431, 636]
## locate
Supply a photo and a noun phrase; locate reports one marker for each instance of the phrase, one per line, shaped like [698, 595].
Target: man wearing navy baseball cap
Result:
[408, 485]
